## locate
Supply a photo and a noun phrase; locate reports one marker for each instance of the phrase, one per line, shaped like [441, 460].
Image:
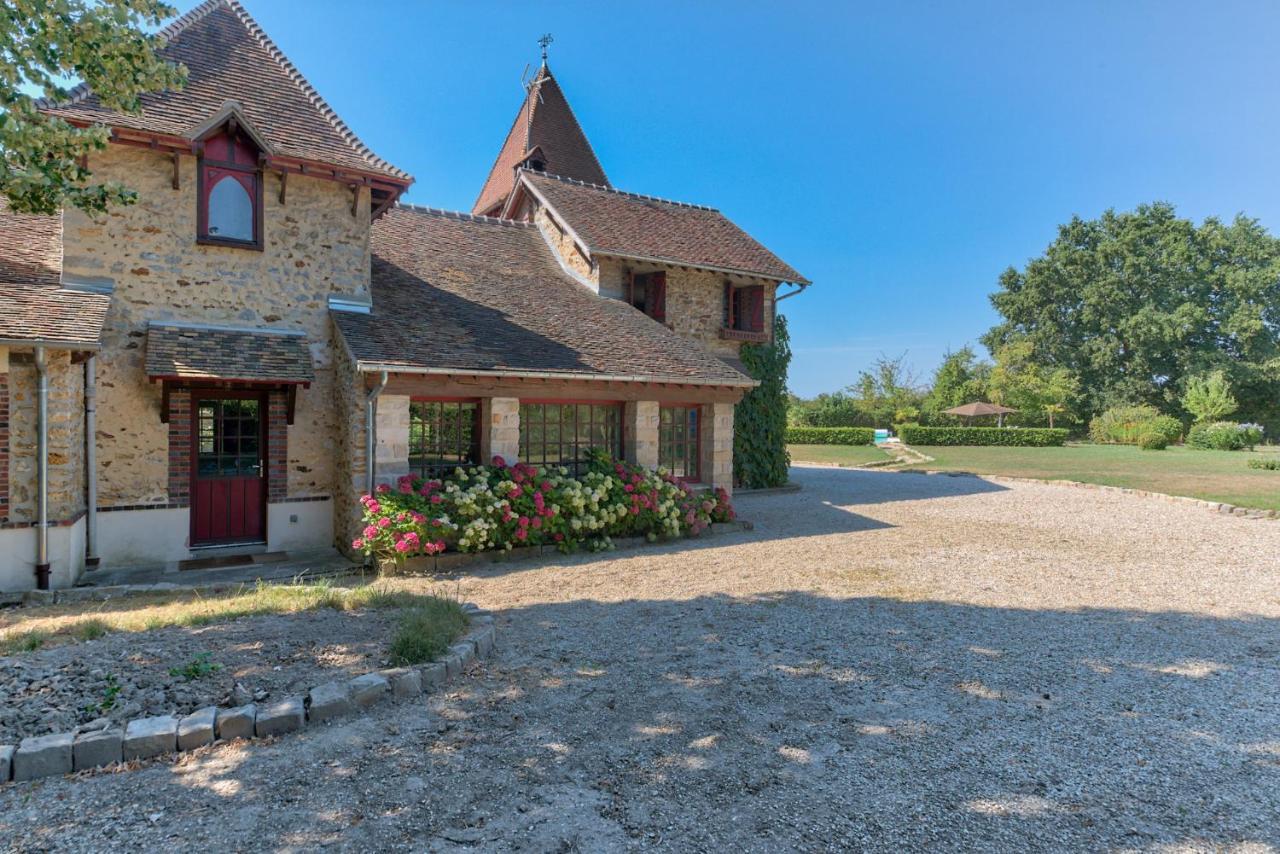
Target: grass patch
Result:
[845, 455]
[30, 628]
[426, 631]
[1224, 476]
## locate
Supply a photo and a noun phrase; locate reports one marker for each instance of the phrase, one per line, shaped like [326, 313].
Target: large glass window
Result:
[678, 441]
[442, 436]
[563, 433]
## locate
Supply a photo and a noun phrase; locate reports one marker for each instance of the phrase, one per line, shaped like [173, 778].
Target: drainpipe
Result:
[91, 461]
[42, 470]
[370, 425]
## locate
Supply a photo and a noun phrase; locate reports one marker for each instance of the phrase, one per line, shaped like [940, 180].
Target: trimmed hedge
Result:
[1024, 437]
[830, 436]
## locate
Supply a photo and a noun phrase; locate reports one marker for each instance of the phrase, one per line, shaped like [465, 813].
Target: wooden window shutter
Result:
[757, 309]
[656, 297]
[631, 287]
[728, 305]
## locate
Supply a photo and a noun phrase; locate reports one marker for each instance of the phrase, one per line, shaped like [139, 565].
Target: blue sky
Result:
[899, 154]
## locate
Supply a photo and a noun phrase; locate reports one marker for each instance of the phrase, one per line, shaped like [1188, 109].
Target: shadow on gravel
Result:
[802, 721]
[772, 722]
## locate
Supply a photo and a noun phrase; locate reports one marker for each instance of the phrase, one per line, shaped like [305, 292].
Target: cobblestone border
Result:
[1220, 507]
[144, 738]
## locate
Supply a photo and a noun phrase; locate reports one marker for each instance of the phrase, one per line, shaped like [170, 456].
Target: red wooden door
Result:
[229, 490]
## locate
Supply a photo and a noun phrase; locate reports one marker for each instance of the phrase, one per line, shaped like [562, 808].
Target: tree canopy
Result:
[105, 44]
[1133, 305]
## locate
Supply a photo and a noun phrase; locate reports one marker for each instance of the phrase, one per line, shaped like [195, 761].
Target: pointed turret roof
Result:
[545, 126]
[230, 58]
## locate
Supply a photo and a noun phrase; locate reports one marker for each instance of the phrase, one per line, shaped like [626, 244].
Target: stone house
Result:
[226, 365]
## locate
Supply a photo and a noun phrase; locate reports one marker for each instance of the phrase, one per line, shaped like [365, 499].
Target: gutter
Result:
[801, 287]
[385, 367]
[91, 461]
[42, 469]
[370, 428]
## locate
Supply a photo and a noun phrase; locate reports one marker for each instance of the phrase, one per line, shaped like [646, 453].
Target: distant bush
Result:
[1225, 436]
[1025, 437]
[830, 436]
[1272, 464]
[1135, 425]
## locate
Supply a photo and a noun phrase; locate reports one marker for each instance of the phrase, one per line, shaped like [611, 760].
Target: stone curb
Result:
[1215, 506]
[60, 753]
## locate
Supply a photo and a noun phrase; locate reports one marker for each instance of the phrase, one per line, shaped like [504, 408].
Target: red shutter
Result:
[728, 305]
[656, 297]
[757, 309]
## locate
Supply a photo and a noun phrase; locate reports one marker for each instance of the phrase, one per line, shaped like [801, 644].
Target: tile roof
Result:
[229, 57]
[464, 293]
[33, 305]
[545, 122]
[612, 222]
[195, 351]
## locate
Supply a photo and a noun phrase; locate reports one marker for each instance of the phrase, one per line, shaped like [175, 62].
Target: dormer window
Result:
[648, 293]
[230, 191]
[538, 165]
[744, 313]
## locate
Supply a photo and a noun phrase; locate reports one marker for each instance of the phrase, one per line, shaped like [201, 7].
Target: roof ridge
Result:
[462, 216]
[564, 179]
[305, 85]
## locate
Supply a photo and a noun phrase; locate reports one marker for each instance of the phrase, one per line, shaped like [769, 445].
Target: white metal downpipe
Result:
[370, 432]
[91, 461]
[42, 469]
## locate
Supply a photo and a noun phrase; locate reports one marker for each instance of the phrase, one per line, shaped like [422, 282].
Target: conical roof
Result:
[546, 128]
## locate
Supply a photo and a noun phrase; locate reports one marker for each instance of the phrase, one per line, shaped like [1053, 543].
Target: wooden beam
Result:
[284, 186]
[355, 200]
[177, 170]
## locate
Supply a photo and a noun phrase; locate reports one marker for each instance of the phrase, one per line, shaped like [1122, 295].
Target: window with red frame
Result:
[564, 434]
[442, 436]
[230, 191]
[744, 308]
[648, 292]
[678, 448]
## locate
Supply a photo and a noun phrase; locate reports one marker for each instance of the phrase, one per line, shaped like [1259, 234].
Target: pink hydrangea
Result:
[537, 523]
[383, 488]
[499, 462]
[370, 532]
[403, 546]
[522, 534]
[436, 499]
[384, 522]
[357, 543]
[373, 507]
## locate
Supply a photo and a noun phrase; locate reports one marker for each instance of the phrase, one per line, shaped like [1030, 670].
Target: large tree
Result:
[1134, 304]
[43, 43]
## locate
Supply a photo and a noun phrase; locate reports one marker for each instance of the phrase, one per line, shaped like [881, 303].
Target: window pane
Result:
[230, 210]
[442, 436]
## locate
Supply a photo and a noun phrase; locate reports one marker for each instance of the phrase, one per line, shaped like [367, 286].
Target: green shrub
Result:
[426, 631]
[1025, 437]
[760, 457]
[1152, 439]
[830, 436]
[1224, 436]
[1134, 425]
[1272, 464]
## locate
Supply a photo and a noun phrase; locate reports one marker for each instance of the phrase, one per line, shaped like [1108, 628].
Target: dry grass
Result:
[28, 629]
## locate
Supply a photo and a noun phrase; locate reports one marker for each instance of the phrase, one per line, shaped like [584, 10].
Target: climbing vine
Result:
[760, 456]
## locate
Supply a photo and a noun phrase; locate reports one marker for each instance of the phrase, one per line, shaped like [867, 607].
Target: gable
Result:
[230, 58]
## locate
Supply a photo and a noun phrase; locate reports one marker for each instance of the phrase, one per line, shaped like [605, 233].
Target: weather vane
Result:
[545, 41]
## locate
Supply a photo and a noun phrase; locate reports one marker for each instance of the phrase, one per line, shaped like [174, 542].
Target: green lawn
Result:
[1212, 475]
[845, 455]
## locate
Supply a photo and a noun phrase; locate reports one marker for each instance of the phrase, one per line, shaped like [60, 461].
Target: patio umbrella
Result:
[973, 410]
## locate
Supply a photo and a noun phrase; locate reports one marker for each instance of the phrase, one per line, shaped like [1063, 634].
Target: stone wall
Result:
[695, 299]
[564, 247]
[350, 466]
[314, 247]
[66, 438]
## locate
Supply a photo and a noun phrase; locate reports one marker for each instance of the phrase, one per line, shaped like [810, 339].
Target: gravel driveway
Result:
[887, 661]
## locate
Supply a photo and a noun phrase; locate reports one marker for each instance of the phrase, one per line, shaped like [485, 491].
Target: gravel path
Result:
[888, 661]
[271, 657]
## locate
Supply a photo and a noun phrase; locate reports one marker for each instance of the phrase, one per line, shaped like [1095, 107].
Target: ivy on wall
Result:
[760, 458]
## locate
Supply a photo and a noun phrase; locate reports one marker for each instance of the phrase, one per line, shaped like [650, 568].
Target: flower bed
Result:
[501, 507]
